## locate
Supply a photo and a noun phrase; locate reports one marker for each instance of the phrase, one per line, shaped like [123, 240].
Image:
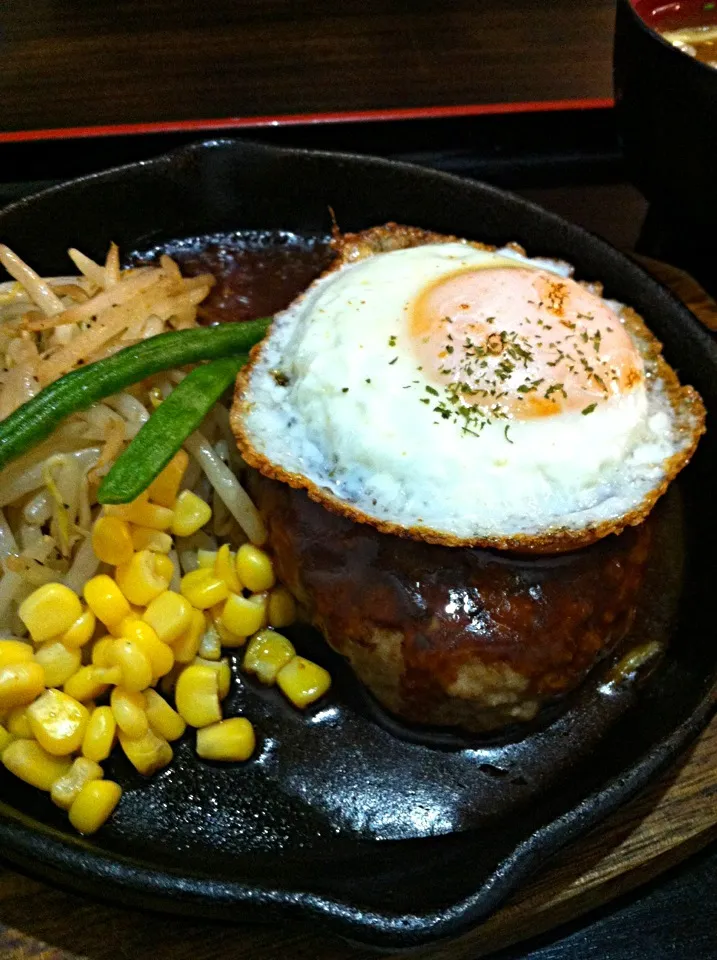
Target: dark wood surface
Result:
[86, 62]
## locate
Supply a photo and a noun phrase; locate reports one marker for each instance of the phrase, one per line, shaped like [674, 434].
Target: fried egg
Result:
[461, 394]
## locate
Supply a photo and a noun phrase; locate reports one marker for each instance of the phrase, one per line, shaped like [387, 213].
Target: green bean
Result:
[78, 390]
[166, 430]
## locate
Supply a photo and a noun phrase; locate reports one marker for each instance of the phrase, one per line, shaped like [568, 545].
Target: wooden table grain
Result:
[79, 64]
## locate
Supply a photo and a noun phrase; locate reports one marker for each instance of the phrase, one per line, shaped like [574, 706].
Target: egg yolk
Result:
[520, 343]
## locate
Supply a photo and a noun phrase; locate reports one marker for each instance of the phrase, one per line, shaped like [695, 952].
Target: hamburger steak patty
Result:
[451, 636]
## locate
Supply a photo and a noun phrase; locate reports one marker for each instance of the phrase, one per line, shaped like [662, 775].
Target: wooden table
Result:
[158, 64]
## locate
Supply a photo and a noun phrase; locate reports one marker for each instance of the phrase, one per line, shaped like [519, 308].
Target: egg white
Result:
[335, 397]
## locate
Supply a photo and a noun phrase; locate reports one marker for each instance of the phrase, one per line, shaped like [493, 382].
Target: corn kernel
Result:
[94, 805]
[144, 538]
[266, 654]
[169, 615]
[18, 724]
[143, 513]
[91, 682]
[144, 577]
[134, 664]
[303, 682]
[243, 616]
[128, 709]
[255, 569]
[20, 683]
[147, 753]
[28, 761]
[163, 720]
[58, 662]
[223, 671]
[210, 647]
[282, 608]
[49, 611]
[185, 648]
[81, 630]
[203, 588]
[229, 740]
[168, 683]
[164, 488]
[206, 558]
[102, 655]
[112, 540]
[14, 651]
[6, 738]
[197, 696]
[190, 514]
[100, 734]
[159, 654]
[225, 567]
[106, 600]
[58, 722]
[65, 790]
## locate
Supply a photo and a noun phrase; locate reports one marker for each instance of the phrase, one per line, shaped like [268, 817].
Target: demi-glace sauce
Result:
[258, 272]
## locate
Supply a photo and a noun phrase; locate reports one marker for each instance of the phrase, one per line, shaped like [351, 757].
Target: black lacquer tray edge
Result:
[47, 854]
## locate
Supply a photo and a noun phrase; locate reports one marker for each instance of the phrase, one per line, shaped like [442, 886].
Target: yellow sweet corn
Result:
[197, 696]
[144, 577]
[159, 654]
[65, 790]
[58, 661]
[186, 646]
[210, 647]
[134, 664]
[20, 684]
[144, 538]
[28, 761]
[190, 514]
[255, 569]
[169, 615]
[91, 682]
[203, 588]
[268, 652]
[163, 720]
[81, 630]
[6, 738]
[49, 611]
[18, 724]
[226, 568]
[58, 722]
[282, 608]
[223, 671]
[206, 558]
[302, 682]
[99, 734]
[101, 654]
[168, 683]
[147, 753]
[112, 540]
[94, 805]
[14, 651]
[143, 513]
[128, 709]
[164, 488]
[243, 616]
[106, 600]
[230, 740]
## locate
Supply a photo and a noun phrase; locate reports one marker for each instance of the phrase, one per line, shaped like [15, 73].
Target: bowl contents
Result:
[449, 392]
[691, 27]
[115, 606]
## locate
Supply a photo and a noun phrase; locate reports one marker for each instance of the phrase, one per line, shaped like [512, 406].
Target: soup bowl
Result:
[666, 101]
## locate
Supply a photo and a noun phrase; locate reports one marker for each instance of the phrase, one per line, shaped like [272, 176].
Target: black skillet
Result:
[373, 835]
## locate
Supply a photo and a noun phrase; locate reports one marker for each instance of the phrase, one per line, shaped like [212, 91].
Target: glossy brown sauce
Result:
[258, 272]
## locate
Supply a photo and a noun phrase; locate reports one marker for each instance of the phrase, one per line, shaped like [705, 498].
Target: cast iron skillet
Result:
[380, 839]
